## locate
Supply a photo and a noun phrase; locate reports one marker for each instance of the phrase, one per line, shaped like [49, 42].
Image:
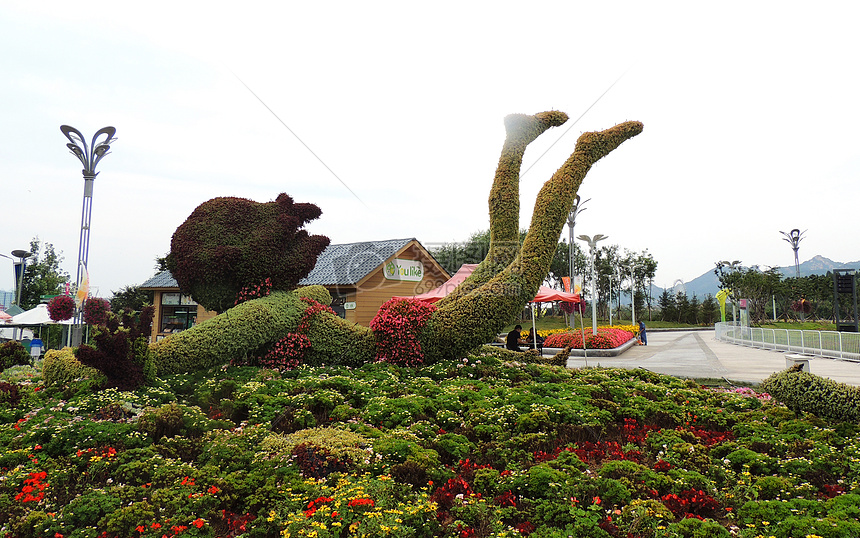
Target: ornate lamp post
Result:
[592, 244]
[89, 157]
[571, 222]
[794, 238]
[22, 255]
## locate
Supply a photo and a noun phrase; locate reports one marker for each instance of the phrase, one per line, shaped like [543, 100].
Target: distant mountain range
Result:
[708, 283]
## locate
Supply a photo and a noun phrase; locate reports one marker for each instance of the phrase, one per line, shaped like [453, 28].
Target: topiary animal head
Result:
[228, 244]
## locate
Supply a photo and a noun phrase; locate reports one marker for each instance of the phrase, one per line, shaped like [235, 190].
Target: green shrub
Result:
[233, 335]
[803, 392]
[60, 367]
[697, 528]
[12, 353]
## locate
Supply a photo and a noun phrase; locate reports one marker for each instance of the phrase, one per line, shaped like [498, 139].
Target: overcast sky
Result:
[390, 119]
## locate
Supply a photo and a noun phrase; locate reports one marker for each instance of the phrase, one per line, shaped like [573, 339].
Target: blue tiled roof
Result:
[348, 263]
[162, 280]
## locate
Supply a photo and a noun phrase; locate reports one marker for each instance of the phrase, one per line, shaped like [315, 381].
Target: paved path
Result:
[697, 354]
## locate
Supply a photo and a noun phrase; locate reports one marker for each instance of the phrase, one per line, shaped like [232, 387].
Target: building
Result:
[174, 311]
[359, 276]
[362, 276]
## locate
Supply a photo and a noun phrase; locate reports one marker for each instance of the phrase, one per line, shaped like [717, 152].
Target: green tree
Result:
[43, 275]
[710, 310]
[668, 307]
[130, 297]
[695, 311]
[473, 250]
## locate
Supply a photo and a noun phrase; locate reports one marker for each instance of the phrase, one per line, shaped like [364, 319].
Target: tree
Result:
[43, 275]
[230, 244]
[710, 310]
[131, 297]
[452, 255]
[668, 307]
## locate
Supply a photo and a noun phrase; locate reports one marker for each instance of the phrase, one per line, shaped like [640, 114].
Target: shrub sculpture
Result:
[803, 392]
[61, 308]
[96, 311]
[471, 315]
[228, 246]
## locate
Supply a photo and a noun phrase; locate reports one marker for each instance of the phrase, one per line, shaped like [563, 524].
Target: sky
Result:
[389, 117]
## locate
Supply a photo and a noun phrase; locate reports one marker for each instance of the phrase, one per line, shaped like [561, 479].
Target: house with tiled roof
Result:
[362, 276]
[174, 311]
[359, 276]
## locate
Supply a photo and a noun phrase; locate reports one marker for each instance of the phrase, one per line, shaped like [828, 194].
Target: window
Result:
[178, 312]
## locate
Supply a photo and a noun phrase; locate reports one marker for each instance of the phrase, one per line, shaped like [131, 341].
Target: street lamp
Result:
[571, 222]
[794, 238]
[592, 244]
[22, 256]
[89, 157]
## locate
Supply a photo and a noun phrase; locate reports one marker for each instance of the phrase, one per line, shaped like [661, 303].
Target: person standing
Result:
[643, 337]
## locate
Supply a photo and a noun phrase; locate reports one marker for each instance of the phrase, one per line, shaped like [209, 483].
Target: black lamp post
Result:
[22, 255]
[89, 157]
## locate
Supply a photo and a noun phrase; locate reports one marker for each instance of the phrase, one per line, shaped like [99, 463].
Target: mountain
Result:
[708, 283]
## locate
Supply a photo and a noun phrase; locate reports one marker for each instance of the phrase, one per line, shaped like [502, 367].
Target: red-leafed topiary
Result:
[228, 244]
[96, 311]
[61, 308]
[121, 352]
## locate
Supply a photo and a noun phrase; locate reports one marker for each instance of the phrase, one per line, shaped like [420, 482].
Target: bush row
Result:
[804, 392]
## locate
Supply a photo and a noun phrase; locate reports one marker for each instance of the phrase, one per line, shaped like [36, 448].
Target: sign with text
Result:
[410, 270]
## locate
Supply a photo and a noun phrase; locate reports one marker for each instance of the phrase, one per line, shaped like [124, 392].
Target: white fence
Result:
[833, 344]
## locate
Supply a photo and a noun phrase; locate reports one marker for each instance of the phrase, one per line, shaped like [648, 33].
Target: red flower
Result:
[198, 523]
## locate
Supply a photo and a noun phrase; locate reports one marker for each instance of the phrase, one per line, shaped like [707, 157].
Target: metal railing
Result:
[832, 344]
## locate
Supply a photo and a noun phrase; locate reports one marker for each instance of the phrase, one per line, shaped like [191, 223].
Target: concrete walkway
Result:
[697, 354]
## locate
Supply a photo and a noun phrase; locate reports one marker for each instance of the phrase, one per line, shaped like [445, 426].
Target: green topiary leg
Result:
[504, 202]
[479, 315]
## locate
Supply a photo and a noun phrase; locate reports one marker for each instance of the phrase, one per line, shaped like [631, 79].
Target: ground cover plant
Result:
[476, 447]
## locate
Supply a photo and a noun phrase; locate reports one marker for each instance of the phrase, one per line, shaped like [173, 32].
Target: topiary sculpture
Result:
[472, 314]
[230, 245]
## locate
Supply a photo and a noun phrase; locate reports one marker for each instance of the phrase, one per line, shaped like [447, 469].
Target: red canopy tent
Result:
[544, 294]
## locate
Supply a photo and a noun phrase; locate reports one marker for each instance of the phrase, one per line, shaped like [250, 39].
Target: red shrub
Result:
[606, 338]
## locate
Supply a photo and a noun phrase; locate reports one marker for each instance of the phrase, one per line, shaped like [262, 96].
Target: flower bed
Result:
[476, 447]
[606, 338]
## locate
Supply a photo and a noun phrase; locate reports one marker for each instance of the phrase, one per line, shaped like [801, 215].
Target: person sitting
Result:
[535, 340]
[514, 340]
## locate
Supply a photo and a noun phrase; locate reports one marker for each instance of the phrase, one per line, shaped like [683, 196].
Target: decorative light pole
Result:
[633, 294]
[22, 255]
[592, 244]
[794, 238]
[89, 157]
[571, 222]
